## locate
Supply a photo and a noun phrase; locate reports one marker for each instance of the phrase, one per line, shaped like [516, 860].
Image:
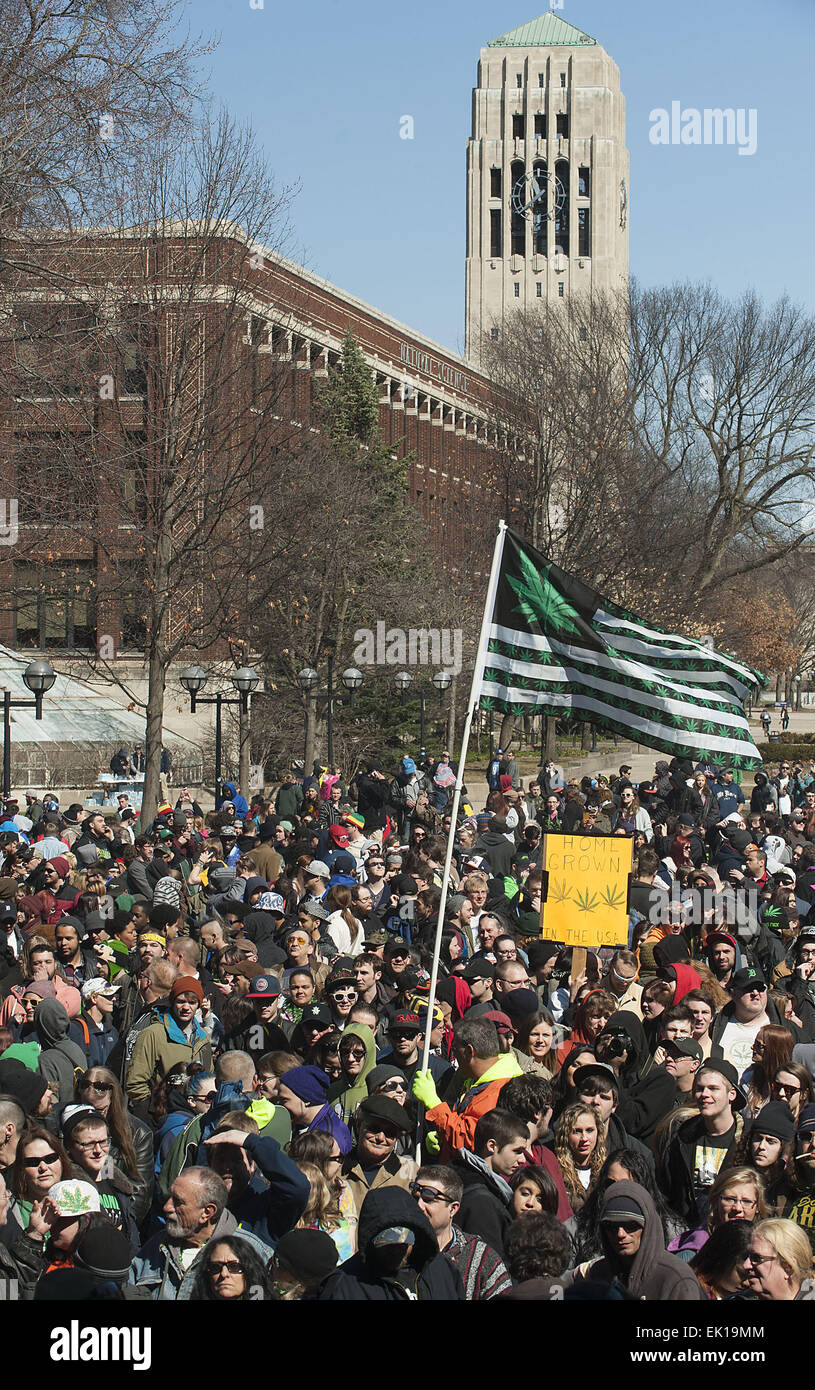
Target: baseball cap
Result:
[601, 1069]
[317, 1013]
[395, 1235]
[404, 1023]
[686, 1047]
[73, 1198]
[731, 1076]
[748, 979]
[264, 987]
[479, 970]
[377, 937]
[502, 1021]
[99, 985]
[318, 869]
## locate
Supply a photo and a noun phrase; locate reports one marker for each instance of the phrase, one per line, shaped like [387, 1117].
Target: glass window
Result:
[540, 127]
[583, 182]
[495, 233]
[518, 127]
[495, 183]
[584, 231]
[562, 123]
[517, 290]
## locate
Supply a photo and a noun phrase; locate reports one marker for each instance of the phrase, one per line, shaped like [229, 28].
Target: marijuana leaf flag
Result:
[558, 648]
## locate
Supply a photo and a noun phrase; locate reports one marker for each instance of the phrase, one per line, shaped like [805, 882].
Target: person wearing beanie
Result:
[767, 1147]
[29, 1088]
[174, 1038]
[634, 1250]
[302, 1260]
[303, 1091]
[105, 1253]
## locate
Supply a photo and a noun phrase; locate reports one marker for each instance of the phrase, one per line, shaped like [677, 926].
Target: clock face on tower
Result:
[530, 194]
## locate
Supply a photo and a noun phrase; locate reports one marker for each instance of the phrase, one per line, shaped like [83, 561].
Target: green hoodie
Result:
[343, 1098]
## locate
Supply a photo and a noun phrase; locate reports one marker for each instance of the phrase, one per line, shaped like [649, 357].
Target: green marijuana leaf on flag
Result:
[540, 600]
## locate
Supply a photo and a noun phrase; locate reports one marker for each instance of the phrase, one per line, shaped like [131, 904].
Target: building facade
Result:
[547, 176]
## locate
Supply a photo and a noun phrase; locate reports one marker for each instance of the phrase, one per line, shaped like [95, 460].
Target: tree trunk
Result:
[779, 686]
[585, 737]
[157, 678]
[507, 726]
[551, 739]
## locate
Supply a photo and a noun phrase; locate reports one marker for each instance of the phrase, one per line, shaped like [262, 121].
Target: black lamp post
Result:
[39, 676]
[244, 680]
[308, 678]
[403, 679]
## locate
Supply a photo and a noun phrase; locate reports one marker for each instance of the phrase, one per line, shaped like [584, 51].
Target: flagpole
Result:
[475, 695]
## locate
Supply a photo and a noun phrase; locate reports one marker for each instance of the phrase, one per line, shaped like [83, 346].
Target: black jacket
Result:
[646, 1091]
[428, 1277]
[484, 1209]
[675, 1173]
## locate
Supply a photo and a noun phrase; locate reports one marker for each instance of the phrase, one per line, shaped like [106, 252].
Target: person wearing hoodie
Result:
[175, 1037]
[229, 795]
[646, 1091]
[635, 1257]
[498, 850]
[398, 1258]
[61, 1061]
[483, 1070]
[357, 1051]
[499, 1150]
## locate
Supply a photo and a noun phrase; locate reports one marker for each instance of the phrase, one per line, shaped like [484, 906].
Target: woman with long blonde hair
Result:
[580, 1149]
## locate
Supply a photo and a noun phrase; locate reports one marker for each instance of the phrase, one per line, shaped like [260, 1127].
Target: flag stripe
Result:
[525, 642]
[687, 644]
[542, 676]
[656, 735]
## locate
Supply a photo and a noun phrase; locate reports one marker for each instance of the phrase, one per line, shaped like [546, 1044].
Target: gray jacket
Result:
[158, 1268]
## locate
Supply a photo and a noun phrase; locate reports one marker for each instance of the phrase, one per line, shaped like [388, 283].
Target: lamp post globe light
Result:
[352, 680]
[307, 678]
[38, 676]
[442, 681]
[402, 681]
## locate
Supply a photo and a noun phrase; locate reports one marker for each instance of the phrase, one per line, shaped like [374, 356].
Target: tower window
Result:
[540, 79]
[562, 125]
[495, 183]
[560, 289]
[540, 127]
[539, 290]
[583, 182]
[563, 79]
[518, 222]
[584, 231]
[518, 127]
[562, 213]
[517, 290]
[519, 81]
[496, 248]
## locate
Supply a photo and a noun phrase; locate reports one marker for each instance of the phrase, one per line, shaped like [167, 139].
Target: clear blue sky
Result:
[325, 84]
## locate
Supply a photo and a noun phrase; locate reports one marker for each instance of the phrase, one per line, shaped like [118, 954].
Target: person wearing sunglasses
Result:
[438, 1191]
[86, 1136]
[778, 1266]
[40, 1162]
[635, 1257]
[233, 1269]
[340, 993]
[357, 1049]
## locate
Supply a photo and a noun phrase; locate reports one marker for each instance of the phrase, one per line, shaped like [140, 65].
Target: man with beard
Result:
[195, 1213]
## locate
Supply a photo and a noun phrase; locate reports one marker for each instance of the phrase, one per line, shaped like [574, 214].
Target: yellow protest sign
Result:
[587, 899]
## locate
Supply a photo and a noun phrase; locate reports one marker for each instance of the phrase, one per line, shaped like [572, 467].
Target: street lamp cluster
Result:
[308, 680]
[245, 680]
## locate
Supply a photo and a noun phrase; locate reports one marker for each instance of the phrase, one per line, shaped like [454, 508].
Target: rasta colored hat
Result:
[354, 818]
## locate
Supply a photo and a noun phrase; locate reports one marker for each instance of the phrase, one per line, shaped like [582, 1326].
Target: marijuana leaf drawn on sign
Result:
[612, 896]
[586, 902]
[540, 601]
[558, 892]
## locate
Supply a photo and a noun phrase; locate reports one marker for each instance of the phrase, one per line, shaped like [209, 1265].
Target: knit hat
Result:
[354, 818]
[27, 1087]
[307, 1254]
[60, 863]
[105, 1252]
[379, 1075]
[519, 1003]
[309, 1084]
[409, 766]
[806, 1120]
[775, 1119]
[622, 1208]
[187, 984]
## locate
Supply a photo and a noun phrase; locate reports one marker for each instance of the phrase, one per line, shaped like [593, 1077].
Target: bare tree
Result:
[724, 399]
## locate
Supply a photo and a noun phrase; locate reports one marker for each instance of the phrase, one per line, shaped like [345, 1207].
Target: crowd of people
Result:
[213, 1031]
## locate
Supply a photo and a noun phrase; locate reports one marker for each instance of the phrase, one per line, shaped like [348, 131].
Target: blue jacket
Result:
[269, 1212]
[229, 792]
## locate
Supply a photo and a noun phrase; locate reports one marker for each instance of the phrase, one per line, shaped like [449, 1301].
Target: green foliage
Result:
[347, 405]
